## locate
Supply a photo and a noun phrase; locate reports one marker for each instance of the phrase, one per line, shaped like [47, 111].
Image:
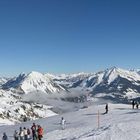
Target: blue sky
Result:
[67, 36]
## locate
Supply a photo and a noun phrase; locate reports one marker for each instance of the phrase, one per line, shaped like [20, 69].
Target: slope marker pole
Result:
[98, 118]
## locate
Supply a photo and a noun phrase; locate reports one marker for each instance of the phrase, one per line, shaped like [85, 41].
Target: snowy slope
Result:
[14, 109]
[121, 123]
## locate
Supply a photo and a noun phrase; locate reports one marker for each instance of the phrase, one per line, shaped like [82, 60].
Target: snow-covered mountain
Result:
[29, 92]
[113, 83]
[71, 80]
[34, 81]
[25, 96]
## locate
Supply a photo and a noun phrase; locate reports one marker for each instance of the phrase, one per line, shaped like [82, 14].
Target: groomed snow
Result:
[121, 123]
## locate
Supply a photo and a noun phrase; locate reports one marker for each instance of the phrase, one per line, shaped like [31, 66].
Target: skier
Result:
[106, 109]
[34, 131]
[133, 104]
[21, 134]
[63, 122]
[16, 135]
[40, 132]
[4, 137]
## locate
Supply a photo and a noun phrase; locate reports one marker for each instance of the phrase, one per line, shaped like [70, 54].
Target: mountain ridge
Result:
[33, 93]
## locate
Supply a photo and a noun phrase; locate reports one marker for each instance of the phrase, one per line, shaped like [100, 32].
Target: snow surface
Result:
[13, 108]
[121, 123]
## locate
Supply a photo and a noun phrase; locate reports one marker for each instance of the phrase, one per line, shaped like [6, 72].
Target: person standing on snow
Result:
[29, 133]
[25, 133]
[63, 122]
[137, 105]
[34, 131]
[21, 134]
[4, 137]
[40, 132]
[106, 109]
[133, 104]
[16, 136]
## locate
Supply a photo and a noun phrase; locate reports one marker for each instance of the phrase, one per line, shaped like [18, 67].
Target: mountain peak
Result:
[35, 75]
[114, 68]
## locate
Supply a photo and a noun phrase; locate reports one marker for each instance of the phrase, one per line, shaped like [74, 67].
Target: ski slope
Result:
[121, 123]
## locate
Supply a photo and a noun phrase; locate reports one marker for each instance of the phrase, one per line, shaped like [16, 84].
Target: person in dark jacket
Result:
[34, 131]
[133, 104]
[4, 137]
[106, 109]
[137, 105]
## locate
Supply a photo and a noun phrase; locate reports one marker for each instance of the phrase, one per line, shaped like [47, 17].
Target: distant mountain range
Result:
[114, 84]
[125, 83]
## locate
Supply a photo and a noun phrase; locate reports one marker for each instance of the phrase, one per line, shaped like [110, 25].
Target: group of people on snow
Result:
[34, 133]
[135, 103]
